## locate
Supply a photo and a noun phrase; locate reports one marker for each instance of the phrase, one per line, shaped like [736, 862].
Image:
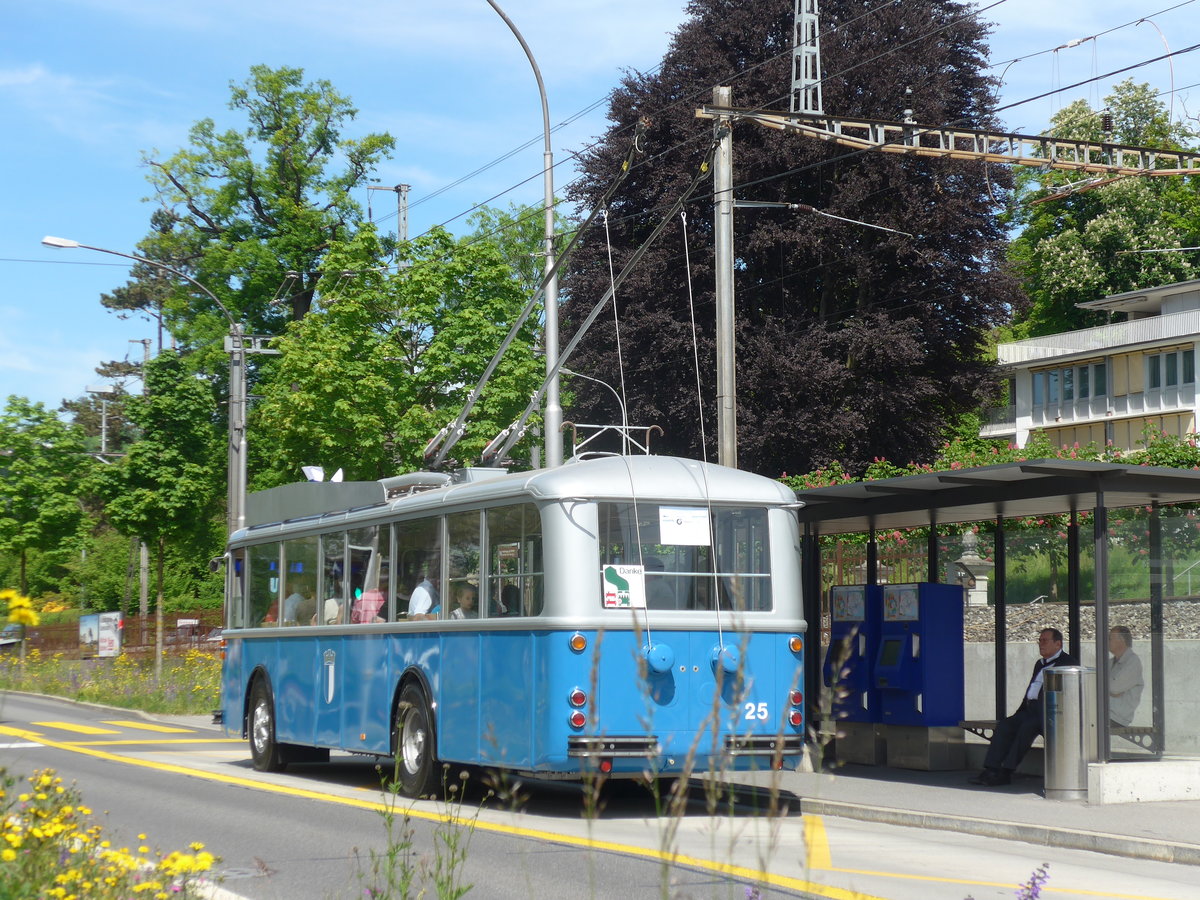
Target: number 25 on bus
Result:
[633, 616]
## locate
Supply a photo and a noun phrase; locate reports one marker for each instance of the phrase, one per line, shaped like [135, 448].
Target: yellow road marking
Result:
[78, 729]
[150, 726]
[783, 881]
[816, 841]
[816, 844]
[20, 732]
[152, 742]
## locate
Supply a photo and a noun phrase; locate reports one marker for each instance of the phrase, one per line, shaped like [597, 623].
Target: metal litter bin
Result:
[1069, 730]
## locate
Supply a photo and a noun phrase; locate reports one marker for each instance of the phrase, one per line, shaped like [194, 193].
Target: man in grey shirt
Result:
[1124, 676]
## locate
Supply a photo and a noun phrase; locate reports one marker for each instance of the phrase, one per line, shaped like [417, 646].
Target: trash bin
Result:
[1069, 730]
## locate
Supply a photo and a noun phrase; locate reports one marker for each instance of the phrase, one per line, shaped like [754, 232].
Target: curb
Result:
[1045, 835]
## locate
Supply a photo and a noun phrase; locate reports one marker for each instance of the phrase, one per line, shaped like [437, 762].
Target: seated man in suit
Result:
[1014, 736]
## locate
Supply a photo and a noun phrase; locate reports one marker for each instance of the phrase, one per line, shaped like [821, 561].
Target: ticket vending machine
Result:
[854, 619]
[918, 673]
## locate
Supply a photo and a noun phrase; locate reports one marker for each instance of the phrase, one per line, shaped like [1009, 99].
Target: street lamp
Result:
[236, 505]
[553, 413]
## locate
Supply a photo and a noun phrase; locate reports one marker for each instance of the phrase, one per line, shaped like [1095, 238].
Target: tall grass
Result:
[189, 683]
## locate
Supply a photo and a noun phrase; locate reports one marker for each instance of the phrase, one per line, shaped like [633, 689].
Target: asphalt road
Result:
[316, 831]
[319, 830]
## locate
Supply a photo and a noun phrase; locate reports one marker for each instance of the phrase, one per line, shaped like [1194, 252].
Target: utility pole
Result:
[401, 209]
[143, 550]
[723, 264]
[806, 59]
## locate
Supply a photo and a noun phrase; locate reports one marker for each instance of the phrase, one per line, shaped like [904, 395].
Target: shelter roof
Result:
[1041, 487]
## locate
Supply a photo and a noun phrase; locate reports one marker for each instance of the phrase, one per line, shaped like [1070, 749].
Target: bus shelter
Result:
[994, 495]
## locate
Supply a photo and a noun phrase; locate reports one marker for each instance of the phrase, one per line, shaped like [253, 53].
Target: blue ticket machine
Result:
[854, 611]
[919, 664]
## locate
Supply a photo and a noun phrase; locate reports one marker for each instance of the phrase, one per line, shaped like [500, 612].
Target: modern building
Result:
[1110, 383]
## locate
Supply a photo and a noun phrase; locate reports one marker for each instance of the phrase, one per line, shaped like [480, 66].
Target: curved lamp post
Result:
[553, 412]
[236, 505]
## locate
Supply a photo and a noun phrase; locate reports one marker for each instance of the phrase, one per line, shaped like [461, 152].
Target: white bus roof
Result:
[648, 478]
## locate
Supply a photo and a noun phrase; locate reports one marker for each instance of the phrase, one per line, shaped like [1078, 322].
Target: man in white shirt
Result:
[1125, 680]
[424, 602]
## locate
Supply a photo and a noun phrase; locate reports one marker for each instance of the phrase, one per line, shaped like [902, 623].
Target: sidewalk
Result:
[1166, 832]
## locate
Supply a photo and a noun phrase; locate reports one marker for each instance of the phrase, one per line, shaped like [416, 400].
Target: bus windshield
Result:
[691, 554]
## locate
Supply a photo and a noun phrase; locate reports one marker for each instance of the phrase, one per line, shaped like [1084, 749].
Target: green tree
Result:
[43, 475]
[1082, 245]
[166, 489]
[388, 358]
[519, 233]
[251, 213]
[851, 343]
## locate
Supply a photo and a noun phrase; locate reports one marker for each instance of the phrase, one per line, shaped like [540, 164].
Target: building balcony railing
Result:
[1101, 339]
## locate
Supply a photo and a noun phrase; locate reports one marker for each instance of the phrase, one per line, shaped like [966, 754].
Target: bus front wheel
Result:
[414, 743]
[264, 750]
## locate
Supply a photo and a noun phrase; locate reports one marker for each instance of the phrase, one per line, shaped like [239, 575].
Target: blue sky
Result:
[87, 85]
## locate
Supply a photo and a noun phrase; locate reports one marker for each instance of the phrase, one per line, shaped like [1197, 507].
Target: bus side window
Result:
[461, 598]
[264, 585]
[418, 568]
[331, 598]
[514, 538]
[300, 580]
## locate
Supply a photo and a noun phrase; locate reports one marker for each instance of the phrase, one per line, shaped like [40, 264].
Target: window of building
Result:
[1069, 383]
[1172, 369]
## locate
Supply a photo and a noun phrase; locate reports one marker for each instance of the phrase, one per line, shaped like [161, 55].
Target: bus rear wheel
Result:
[266, 753]
[413, 738]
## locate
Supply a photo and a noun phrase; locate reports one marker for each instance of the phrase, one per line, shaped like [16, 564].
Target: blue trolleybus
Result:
[625, 615]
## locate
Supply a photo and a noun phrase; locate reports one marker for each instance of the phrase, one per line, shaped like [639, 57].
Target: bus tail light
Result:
[796, 718]
[577, 719]
[577, 697]
[605, 766]
[796, 698]
[795, 643]
[578, 642]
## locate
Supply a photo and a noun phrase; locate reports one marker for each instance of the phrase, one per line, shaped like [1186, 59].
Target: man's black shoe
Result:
[992, 778]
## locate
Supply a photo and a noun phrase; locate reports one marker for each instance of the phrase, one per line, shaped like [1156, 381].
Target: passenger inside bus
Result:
[332, 613]
[368, 604]
[302, 591]
[425, 603]
[510, 600]
[467, 596]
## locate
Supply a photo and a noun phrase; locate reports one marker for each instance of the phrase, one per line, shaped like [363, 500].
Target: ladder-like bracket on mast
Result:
[912, 139]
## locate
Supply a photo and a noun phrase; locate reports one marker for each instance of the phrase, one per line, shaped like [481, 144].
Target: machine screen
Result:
[889, 654]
